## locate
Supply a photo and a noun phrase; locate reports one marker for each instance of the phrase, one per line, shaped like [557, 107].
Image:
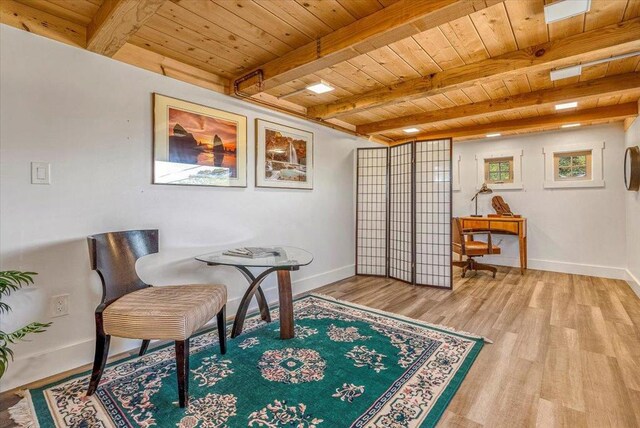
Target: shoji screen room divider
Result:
[403, 212]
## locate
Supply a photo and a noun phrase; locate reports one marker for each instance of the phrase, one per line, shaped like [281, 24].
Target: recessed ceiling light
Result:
[570, 125]
[565, 73]
[495, 134]
[564, 106]
[565, 9]
[411, 130]
[320, 87]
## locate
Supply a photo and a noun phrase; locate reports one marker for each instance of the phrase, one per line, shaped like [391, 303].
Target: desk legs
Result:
[286, 304]
[523, 254]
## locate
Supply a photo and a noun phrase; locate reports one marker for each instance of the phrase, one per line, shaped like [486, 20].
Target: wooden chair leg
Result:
[222, 329]
[99, 360]
[182, 364]
[144, 347]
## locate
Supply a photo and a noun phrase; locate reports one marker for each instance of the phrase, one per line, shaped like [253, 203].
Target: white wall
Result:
[569, 230]
[633, 218]
[91, 118]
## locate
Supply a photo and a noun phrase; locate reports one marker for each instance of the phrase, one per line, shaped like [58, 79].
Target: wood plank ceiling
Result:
[447, 67]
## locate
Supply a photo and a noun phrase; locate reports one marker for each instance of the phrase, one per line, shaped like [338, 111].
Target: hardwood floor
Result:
[566, 348]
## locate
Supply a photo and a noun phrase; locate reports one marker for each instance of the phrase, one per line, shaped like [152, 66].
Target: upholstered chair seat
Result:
[164, 312]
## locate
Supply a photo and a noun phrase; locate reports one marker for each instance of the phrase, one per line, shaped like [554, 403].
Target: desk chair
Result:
[135, 310]
[471, 248]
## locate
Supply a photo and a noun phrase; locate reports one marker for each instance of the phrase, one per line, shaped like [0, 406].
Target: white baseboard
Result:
[32, 367]
[634, 283]
[563, 267]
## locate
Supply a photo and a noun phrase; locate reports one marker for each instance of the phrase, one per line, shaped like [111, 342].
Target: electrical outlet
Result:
[60, 305]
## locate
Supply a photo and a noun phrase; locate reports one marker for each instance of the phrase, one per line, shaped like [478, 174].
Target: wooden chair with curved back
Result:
[471, 248]
[133, 309]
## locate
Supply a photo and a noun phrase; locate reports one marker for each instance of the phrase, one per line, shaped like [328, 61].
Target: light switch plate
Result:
[40, 173]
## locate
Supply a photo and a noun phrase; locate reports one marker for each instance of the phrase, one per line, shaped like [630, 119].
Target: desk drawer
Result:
[506, 226]
[475, 224]
[493, 225]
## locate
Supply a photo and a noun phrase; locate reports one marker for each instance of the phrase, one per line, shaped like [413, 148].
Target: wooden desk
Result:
[502, 226]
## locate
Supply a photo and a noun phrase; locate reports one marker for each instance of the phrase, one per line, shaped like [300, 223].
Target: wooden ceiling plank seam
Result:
[492, 25]
[59, 10]
[42, 23]
[624, 65]
[632, 10]
[393, 62]
[463, 36]
[607, 86]
[178, 56]
[331, 12]
[85, 8]
[496, 89]
[603, 13]
[174, 44]
[517, 84]
[116, 21]
[373, 68]
[235, 25]
[268, 22]
[604, 42]
[182, 16]
[195, 39]
[410, 52]
[400, 20]
[527, 22]
[618, 112]
[299, 16]
[437, 46]
[361, 8]
[476, 93]
[358, 77]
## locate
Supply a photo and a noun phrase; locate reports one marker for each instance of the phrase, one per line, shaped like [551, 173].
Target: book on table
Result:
[252, 252]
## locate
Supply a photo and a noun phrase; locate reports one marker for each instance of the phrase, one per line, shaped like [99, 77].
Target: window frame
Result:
[482, 162]
[594, 167]
[588, 154]
[500, 162]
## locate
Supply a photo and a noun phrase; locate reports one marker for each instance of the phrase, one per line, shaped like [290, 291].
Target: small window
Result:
[572, 166]
[498, 170]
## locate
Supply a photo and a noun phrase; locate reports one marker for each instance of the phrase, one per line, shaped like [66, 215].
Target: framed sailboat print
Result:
[284, 156]
[198, 145]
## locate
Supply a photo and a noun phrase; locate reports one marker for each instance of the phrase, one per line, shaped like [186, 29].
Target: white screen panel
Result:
[400, 213]
[433, 213]
[371, 211]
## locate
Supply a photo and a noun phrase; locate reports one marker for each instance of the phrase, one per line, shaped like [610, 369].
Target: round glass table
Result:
[283, 262]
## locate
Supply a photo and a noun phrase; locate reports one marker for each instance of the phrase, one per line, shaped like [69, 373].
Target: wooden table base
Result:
[286, 301]
[285, 296]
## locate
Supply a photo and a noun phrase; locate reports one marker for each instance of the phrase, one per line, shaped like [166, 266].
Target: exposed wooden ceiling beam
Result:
[600, 43]
[391, 24]
[44, 24]
[591, 116]
[611, 85]
[116, 21]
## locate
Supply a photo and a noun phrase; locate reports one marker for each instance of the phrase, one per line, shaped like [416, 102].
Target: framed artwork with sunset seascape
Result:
[284, 156]
[197, 145]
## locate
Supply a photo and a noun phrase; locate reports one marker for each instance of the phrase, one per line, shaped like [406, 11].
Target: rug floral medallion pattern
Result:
[347, 366]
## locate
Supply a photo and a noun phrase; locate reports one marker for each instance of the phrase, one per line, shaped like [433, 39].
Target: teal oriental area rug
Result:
[348, 366]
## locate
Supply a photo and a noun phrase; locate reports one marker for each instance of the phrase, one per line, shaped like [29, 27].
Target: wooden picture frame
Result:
[284, 156]
[196, 145]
